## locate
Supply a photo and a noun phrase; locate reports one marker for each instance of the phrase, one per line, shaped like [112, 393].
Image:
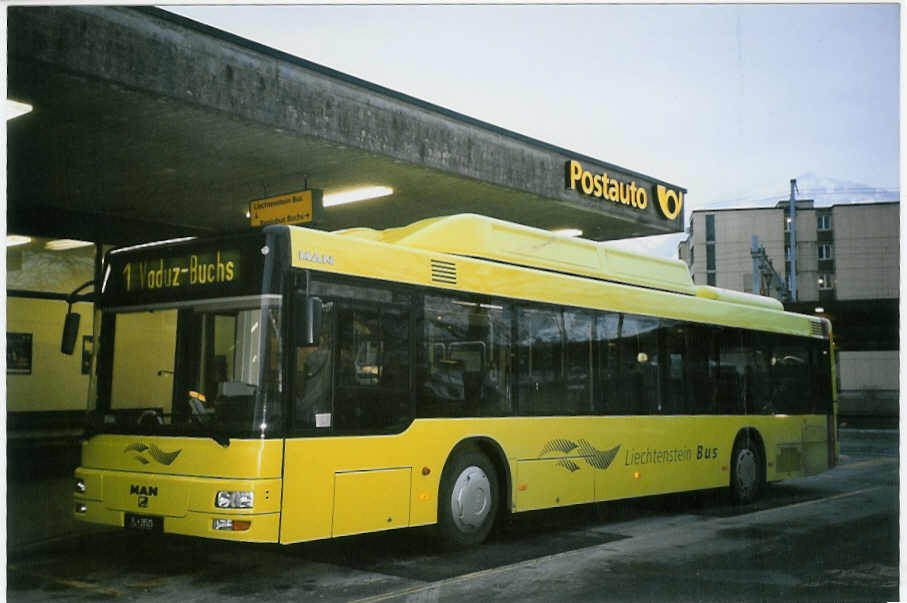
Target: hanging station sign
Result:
[301, 207]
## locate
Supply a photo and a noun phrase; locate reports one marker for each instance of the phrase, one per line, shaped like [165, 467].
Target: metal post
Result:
[793, 240]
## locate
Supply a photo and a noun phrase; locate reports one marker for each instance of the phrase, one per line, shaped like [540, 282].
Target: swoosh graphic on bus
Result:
[164, 458]
[564, 446]
[568, 465]
[599, 459]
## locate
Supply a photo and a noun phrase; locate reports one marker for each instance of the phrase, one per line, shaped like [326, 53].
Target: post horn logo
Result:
[164, 458]
[669, 201]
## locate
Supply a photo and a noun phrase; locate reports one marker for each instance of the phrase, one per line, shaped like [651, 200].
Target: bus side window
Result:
[579, 328]
[372, 391]
[673, 397]
[821, 369]
[540, 354]
[790, 367]
[702, 369]
[465, 361]
[759, 376]
[733, 359]
[608, 397]
[639, 374]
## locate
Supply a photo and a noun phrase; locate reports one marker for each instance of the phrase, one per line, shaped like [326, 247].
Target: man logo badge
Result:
[316, 258]
[143, 493]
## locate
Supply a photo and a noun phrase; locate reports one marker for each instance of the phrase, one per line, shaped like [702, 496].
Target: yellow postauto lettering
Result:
[601, 186]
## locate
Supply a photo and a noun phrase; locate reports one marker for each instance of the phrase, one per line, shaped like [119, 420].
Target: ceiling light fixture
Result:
[13, 240]
[357, 194]
[66, 244]
[16, 109]
[568, 232]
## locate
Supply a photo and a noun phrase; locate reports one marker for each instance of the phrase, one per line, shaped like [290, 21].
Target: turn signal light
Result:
[231, 525]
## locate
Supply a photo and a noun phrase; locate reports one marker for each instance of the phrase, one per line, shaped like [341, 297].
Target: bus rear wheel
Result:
[746, 471]
[467, 501]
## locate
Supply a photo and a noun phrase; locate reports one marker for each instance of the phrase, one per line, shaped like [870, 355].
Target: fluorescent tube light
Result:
[357, 194]
[16, 109]
[568, 232]
[13, 240]
[65, 244]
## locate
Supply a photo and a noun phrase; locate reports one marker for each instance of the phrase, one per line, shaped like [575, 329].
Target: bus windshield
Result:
[207, 368]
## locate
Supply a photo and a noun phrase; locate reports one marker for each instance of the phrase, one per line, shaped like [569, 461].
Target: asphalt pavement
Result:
[833, 536]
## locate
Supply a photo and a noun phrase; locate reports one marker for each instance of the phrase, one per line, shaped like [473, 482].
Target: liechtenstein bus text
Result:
[307, 385]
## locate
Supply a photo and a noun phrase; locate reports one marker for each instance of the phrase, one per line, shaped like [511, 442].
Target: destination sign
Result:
[215, 267]
[174, 271]
[292, 208]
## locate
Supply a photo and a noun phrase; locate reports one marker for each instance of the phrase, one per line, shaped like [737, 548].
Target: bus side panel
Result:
[344, 485]
[335, 486]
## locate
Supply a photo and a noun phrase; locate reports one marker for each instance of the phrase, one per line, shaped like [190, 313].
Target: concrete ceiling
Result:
[147, 125]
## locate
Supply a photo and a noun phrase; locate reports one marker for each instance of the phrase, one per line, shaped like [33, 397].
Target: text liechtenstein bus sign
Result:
[300, 207]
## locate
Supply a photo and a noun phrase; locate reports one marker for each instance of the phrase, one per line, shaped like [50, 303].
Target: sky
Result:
[728, 101]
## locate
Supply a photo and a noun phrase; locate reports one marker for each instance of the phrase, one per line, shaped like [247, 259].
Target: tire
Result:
[468, 500]
[746, 471]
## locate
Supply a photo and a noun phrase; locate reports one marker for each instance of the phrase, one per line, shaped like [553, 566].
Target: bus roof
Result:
[479, 254]
[487, 238]
[475, 236]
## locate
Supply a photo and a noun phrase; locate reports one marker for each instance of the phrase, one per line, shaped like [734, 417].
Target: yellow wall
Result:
[56, 381]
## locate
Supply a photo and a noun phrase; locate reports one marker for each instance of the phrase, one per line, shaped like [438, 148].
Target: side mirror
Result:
[309, 312]
[70, 332]
[71, 323]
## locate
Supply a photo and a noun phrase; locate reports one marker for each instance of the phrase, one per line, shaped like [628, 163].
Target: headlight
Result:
[230, 499]
[80, 485]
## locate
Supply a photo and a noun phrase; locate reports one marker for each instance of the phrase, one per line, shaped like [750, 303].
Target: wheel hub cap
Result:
[470, 499]
[746, 471]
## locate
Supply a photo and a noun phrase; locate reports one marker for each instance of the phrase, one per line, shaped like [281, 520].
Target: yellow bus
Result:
[289, 384]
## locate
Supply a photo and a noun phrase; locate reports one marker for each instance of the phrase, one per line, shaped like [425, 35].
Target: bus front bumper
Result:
[177, 505]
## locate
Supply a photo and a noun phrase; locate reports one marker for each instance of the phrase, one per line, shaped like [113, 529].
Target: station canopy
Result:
[146, 125]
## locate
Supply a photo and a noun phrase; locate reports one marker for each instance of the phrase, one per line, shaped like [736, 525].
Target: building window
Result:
[787, 252]
[823, 222]
[826, 281]
[710, 227]
[710, 263]
[786, 222]
[825, 251]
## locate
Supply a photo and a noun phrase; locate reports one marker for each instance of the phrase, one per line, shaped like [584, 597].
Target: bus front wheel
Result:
[467, 500]
[746, 471]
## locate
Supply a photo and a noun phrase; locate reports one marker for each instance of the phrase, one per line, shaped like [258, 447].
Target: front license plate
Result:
[144, 523]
